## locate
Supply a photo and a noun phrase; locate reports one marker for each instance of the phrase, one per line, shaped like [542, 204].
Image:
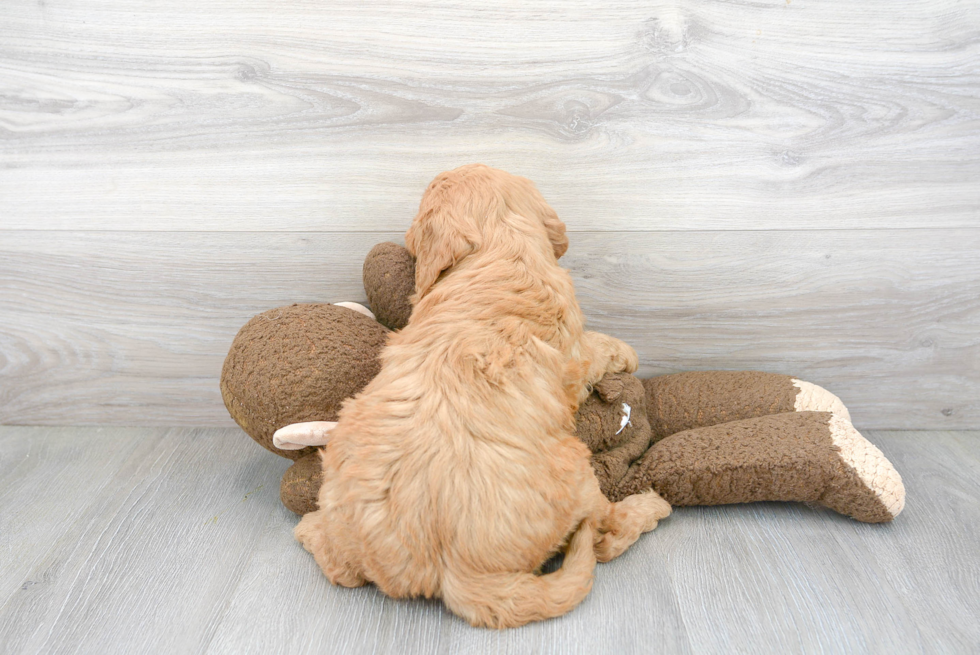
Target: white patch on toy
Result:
[301, 435]
[872, 467]
[627, 410]
[357, 307]
[812, 398]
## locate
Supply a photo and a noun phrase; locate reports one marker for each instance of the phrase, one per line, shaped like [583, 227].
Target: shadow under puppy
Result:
[456, 472]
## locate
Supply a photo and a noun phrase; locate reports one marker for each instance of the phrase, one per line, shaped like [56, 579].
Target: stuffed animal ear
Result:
[611, 386]
[389, 282]
[300, 484]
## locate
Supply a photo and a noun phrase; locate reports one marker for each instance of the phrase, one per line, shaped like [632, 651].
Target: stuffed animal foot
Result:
[300, 484]
[812, 457]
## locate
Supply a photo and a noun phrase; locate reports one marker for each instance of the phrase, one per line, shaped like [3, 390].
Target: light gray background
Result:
[788, 186]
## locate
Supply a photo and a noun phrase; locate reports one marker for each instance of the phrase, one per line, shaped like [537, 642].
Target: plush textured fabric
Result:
[301, 483]
[683, 401]
[599, 423]
[296, 364]
[389, 281]
[789, 457]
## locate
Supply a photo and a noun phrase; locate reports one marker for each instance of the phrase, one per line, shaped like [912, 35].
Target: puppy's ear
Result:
[555, 229]
[525, 199]
[437, 242]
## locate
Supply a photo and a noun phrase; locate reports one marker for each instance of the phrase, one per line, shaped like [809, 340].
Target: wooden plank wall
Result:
[784, 185]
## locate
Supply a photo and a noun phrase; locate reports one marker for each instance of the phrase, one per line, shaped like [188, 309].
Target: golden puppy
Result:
[456, 473]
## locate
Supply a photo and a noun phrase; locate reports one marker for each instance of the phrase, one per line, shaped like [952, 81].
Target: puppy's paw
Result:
[310, 532]
[651, 506]
[623, 358]
[609, 355]
[307, 531]
[627, 520]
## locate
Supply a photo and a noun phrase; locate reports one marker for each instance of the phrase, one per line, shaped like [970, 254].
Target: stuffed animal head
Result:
[613, 423]
[298, 363]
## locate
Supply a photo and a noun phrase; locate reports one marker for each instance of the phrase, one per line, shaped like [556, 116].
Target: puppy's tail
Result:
[507, 600]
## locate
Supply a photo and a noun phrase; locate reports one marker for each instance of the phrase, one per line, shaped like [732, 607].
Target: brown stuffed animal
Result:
[704, 438]
[299, 363]
[720, 437]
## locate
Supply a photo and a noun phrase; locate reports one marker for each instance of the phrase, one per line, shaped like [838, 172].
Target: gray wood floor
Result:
[174, 540]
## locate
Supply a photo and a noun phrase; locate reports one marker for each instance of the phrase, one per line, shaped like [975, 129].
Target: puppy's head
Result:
[462, 208]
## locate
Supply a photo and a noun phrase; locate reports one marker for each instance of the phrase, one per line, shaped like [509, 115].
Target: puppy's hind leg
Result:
[312, 533]
[625, 521]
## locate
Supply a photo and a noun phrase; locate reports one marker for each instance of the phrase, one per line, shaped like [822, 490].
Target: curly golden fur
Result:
[456, 473]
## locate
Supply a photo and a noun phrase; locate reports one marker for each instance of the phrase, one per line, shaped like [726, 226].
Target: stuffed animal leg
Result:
[683, 401]
[812, 457]
[734, 437]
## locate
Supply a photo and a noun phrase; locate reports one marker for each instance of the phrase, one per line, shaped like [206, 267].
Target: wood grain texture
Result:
[132, 328]
[127, 523]
[156, 539]
[678, 115]
[776, 184]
